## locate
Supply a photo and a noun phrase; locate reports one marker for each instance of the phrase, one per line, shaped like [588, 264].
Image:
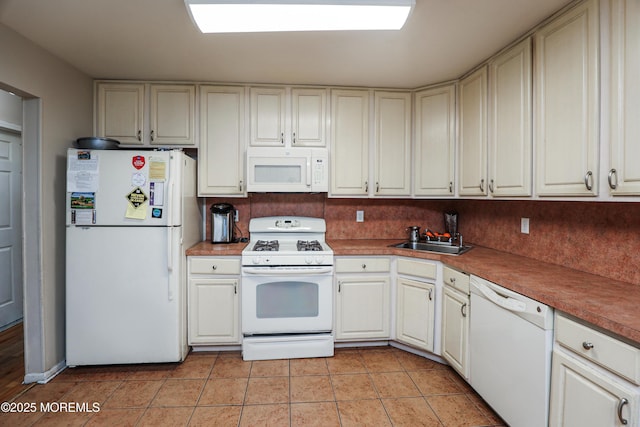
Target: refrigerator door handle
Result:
[170, 260]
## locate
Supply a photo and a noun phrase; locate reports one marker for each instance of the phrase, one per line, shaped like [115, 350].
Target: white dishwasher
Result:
[510, 338]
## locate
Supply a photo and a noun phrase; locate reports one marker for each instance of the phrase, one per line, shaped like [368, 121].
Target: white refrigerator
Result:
[130, 216]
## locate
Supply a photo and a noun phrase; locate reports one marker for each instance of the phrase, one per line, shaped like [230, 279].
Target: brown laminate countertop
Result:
[608, 304]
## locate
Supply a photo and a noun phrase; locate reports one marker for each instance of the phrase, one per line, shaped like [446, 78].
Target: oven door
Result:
[287, 300]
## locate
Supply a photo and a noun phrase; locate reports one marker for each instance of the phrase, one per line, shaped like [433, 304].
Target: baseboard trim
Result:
[45, 377]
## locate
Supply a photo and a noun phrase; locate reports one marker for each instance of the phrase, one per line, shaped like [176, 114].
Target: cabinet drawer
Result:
[456, 279]
[410, 267]
[214, 265]
[362, 265]
[617, 356]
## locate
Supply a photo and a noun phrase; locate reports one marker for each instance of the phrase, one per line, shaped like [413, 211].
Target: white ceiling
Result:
[156, 40]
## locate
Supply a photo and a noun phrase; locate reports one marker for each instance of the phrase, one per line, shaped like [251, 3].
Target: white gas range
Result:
[287, 289]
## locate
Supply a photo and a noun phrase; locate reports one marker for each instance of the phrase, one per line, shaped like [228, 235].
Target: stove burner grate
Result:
[266, 245]
[309, 245]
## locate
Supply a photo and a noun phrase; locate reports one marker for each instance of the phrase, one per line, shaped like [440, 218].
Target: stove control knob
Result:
[308, 260]
[256, 260]
[319, 260]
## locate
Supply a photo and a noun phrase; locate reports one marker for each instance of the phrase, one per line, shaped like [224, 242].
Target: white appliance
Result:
[511, 338]
[278, 169]
[130, 216]
[287, 289]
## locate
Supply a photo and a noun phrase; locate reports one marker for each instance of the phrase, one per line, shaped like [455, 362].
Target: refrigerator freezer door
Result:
[125, 296]
[124, 187]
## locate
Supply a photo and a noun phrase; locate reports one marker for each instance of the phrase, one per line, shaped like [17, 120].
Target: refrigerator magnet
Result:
[136, 197]
[157, 169]
[138, 162]
[156, 213]
[138, 179]
[156, 193]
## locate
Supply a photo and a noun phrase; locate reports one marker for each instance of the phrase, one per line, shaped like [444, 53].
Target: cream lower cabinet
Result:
[416, 303]
[222, 142]
[595, 379]
[567, 103]
[455, 320]
[213, 308]
[362, 298]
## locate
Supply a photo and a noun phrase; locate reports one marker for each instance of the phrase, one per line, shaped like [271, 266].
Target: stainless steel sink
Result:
[434, 247]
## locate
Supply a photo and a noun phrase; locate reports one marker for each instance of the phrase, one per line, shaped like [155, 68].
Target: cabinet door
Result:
[172, 115]
[267, 116]
[392, 144]
[435, 139]
[624, 168]
[120, 112]
[584, 397]
[567, 102]
[213, 311]
[309, 117]
[473, 135]
[510, 122]
[221, 152]
[362, 307]
[350, 143]
[415, 313]
[455, 330]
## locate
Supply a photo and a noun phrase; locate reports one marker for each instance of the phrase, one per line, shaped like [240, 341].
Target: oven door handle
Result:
[287, 272]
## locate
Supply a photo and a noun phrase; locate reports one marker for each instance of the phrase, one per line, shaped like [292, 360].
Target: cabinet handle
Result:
[214, 267]
[450, 186]
[491, 186]
[462, 309]
[281, 137]
[430, 294]
[293, 140]
[339, 286]
[235, 288]
[623, 402]
[613, 183]
[364, 266]
[587, 345]
[377, 186]
[366, 186]
[153, 135]
[139, 135]
[240, 185]
[452, 280]
[588, 180]
[482, 185]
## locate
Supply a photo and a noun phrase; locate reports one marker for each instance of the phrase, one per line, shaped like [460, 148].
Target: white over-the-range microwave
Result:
[287, 170]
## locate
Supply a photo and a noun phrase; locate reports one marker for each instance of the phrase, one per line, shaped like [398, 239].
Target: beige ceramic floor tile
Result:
[311, 388]
[116, 418]
[193, 368]
[270, 368]
[56, 419]
[434, 381]
[394, 384]
[316, 366]
[224, 391]
[216, 416]
[231, 367]
[50, 392]
[178, 393]
[346, 363]
[92, 392]
[320, 414]
[267, 390]
[457, 411]
[411, 412]
[265, 415]
[154, 417]
[133, 394]
[353, 387]
[368, 413]
[381, 361]
[413, 362]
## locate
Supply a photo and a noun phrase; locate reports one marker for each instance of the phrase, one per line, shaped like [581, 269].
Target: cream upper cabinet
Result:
[349, 142]
[623, 175]
[472, 156]
[166, 118]
[392, 144]
[268, 109]
[222, 146]
[435, 139]
[567, 103]
[510, 136]
[120, 111]
[308, 117]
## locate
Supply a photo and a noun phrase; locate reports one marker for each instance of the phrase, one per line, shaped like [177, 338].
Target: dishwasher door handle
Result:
[502, 301]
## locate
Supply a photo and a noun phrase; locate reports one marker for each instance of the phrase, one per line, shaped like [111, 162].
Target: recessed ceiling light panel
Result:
[242, 16]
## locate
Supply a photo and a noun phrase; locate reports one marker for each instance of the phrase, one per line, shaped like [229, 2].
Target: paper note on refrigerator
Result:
[157, 169]
[82, 171]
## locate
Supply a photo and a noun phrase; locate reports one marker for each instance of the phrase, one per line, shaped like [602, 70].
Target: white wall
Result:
[10, 110]
[57, 111]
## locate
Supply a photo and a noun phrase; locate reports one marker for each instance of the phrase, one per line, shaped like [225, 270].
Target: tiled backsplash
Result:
[599, 238]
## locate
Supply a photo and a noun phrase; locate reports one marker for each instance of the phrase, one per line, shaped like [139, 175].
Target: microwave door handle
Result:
[308, 171]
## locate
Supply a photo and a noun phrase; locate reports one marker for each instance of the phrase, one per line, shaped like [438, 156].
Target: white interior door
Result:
[10, 228]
